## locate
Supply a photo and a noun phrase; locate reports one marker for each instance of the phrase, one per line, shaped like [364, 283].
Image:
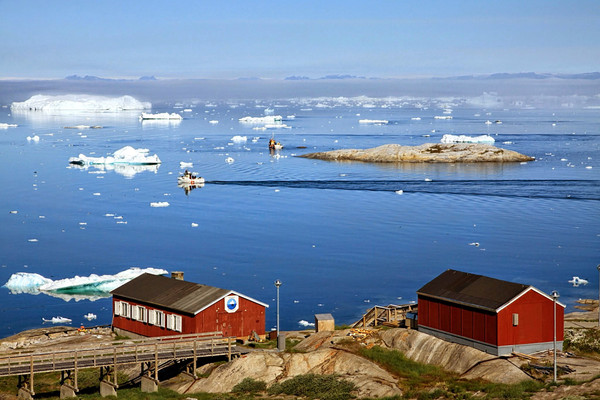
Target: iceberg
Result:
[124, 156]
[373, 121]
[239, 139]
[79, 103]
[58, 320]
[159, 204]
[269, 119]
[467, 139]
[4, 125]
[147, 116]
[95, 286]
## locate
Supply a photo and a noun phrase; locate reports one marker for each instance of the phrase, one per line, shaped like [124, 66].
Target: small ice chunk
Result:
[34, 138]
[194, 225]
[399, 191]
[373, 121]
[214, 122]
[427, 180]
[183, 164]
[467, 139]
[58, 320]
[96, 194]
[415, 118]
[476, 244]
[239, 139]
[90, 316]
[229, 160]
[159, 204]
[32, 240]
[13, 212]
[305, 323]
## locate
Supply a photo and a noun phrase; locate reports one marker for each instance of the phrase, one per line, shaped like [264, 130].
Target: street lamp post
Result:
[555, 297]
[277, 284]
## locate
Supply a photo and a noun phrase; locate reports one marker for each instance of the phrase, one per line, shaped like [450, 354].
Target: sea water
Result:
[339, 235]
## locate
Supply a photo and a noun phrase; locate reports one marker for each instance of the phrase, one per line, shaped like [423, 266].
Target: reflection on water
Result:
[68, 118]
[187, 187]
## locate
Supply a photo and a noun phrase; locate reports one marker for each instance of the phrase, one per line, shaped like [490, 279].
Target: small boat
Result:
[275, 145]
[190, 180]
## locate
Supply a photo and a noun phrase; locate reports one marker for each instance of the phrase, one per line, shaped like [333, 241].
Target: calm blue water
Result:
[336, 234]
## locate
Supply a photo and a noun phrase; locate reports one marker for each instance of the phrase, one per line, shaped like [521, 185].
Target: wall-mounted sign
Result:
[232, 303]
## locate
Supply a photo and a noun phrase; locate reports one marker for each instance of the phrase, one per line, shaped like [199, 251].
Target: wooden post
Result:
[375, 319]
[31, 375]
[115, 365]
[156, 361]
[75, 383]
[228, 349]
[364, 321]
[194, 358]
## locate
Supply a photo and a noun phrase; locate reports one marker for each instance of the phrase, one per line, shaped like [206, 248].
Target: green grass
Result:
[424, 381]
[323, 387]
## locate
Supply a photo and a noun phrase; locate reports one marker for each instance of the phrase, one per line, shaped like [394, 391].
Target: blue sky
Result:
[275, 39]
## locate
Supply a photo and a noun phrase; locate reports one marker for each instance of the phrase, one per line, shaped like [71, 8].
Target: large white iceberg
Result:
[23, 282]
[165, 115]
[467, 139]
[124, 156]
[79, 103]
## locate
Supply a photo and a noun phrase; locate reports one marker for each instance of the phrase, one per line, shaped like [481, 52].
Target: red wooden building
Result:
[153, 305]
[492, 315]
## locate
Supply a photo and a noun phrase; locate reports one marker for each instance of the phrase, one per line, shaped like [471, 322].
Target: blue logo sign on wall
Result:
[232, 304]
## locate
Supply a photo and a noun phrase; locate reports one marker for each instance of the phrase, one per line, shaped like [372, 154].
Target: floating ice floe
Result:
[269, 119]
[305, 323]
[443, 117]
[150, 116]
[239, 139]
[6, 126]
[89, 287]
[194, 225]
[58, 320]
[79, 103]
[213, 122]
[159, 204]
[576, 281]
[183, 164]
[90, 316]
[125, 156]
[415, 119]
[373, 121]
[83, 127]
[229, 160]
[34, 138]
[467, 139]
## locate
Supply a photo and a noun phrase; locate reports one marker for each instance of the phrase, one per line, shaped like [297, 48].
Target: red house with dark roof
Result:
[154, 305]
[492, 315]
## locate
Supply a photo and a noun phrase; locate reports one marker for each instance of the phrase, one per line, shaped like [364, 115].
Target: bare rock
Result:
[270, 367]
[428, 152]
[464, 360]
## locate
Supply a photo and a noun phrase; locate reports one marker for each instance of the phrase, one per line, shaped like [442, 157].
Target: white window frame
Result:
[125, 309]
[142, 314]
[152, 317]
[134, 312]
[177, 323]
[117, 306]
[170, 321]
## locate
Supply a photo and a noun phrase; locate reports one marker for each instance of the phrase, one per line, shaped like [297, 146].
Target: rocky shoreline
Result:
[425, 153]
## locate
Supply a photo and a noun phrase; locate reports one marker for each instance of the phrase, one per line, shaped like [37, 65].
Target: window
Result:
[152, 317]
[117, 305]
[142, 314]
[177, 323]
[160, 318]
[134, 312]
[170, 321]
[125, 309]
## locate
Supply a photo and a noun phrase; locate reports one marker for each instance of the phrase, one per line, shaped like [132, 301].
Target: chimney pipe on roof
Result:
[177, 275]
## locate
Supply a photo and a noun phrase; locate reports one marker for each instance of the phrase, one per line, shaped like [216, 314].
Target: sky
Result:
[277, 39]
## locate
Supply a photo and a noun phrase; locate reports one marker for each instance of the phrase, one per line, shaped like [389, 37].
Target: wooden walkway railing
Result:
[392, 315]
[150, 351]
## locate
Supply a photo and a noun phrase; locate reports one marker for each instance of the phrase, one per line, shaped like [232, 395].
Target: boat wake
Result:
[540, 188]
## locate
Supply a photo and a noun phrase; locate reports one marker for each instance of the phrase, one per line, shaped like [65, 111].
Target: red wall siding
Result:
[535, 320]
[250, 316]
[458, 320]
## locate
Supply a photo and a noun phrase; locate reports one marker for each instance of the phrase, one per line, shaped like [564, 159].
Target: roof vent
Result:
[177, 275]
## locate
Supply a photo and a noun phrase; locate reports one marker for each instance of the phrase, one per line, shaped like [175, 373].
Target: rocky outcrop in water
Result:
[425, 153]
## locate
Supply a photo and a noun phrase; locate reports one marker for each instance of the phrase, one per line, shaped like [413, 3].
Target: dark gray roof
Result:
[173, 294]
[472, 290]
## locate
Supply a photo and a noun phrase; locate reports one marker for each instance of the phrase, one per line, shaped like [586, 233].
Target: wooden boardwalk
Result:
[392, 315]
[150, 352]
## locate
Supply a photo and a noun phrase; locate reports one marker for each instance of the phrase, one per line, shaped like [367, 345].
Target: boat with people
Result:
[274, 145]
[189, 178]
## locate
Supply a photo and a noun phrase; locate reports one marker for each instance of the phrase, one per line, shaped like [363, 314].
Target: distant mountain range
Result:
[97, 78]
[503, 75]
[528, 75]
